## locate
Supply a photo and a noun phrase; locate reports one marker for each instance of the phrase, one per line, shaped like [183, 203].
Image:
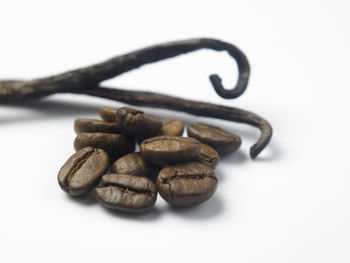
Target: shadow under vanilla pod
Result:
[87, 81]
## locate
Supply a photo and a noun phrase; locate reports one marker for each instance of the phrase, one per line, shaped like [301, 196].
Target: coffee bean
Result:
[125, 192]
[172, 127]
[108, 114]
[82, 170]
[116, 145]
[135, 123]
[164, 150]
[134, 164]
[222, 141]
[186, 184]
[88, 125]
[208, 156]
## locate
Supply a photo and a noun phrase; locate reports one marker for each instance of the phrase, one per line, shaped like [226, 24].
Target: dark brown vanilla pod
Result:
[83, 78]
[156, 100]
[87, 81]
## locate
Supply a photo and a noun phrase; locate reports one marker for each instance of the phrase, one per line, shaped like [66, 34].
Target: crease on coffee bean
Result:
[122, 121]
[183, 139]
[80, 163]
[128, 189]
[194, 176]
[170, 191]
[206, 158]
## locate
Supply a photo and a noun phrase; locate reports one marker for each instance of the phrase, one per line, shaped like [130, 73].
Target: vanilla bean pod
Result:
[16, 91]
[86, 81]
[156, 100]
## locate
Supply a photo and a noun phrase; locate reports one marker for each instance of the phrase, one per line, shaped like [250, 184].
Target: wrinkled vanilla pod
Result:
[86, 81]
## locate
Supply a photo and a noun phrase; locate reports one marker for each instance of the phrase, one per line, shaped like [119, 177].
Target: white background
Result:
[289, 205]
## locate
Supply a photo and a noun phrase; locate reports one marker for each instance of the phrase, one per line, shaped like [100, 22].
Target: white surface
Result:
[290, 205]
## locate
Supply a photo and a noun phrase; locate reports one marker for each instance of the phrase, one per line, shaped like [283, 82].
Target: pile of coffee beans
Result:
[180, 169]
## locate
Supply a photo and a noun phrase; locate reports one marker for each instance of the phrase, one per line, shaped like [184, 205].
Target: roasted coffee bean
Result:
[186, 184]
[116, 145]
[108, 114]
[169, 127]
[134, 164]
[164, 150]
[88, 125]
[125, 192]
[222, 141]
[172, 127]
[135, 123]
[208, 156]
[82, 171]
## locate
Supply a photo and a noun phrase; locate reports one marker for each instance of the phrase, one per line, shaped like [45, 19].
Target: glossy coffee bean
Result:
[208, 156]
[116, 145]
[172, 127]
[82, 171]
[222, 141]
[164, 150]
[108, 114]
[135, 123]
[127, 193]
[186, 184]
[88, 125]
[134, 164]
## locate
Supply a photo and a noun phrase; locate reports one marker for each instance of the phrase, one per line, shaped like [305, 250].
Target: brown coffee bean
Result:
[108, 114]
[134, 164]
[164, 150]
[88, 125]
[127, 193]
[135, 123]
[186, 184]
[82, 171]
[172, 127]
[222, 141]
[208, 156]
[116, 145]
